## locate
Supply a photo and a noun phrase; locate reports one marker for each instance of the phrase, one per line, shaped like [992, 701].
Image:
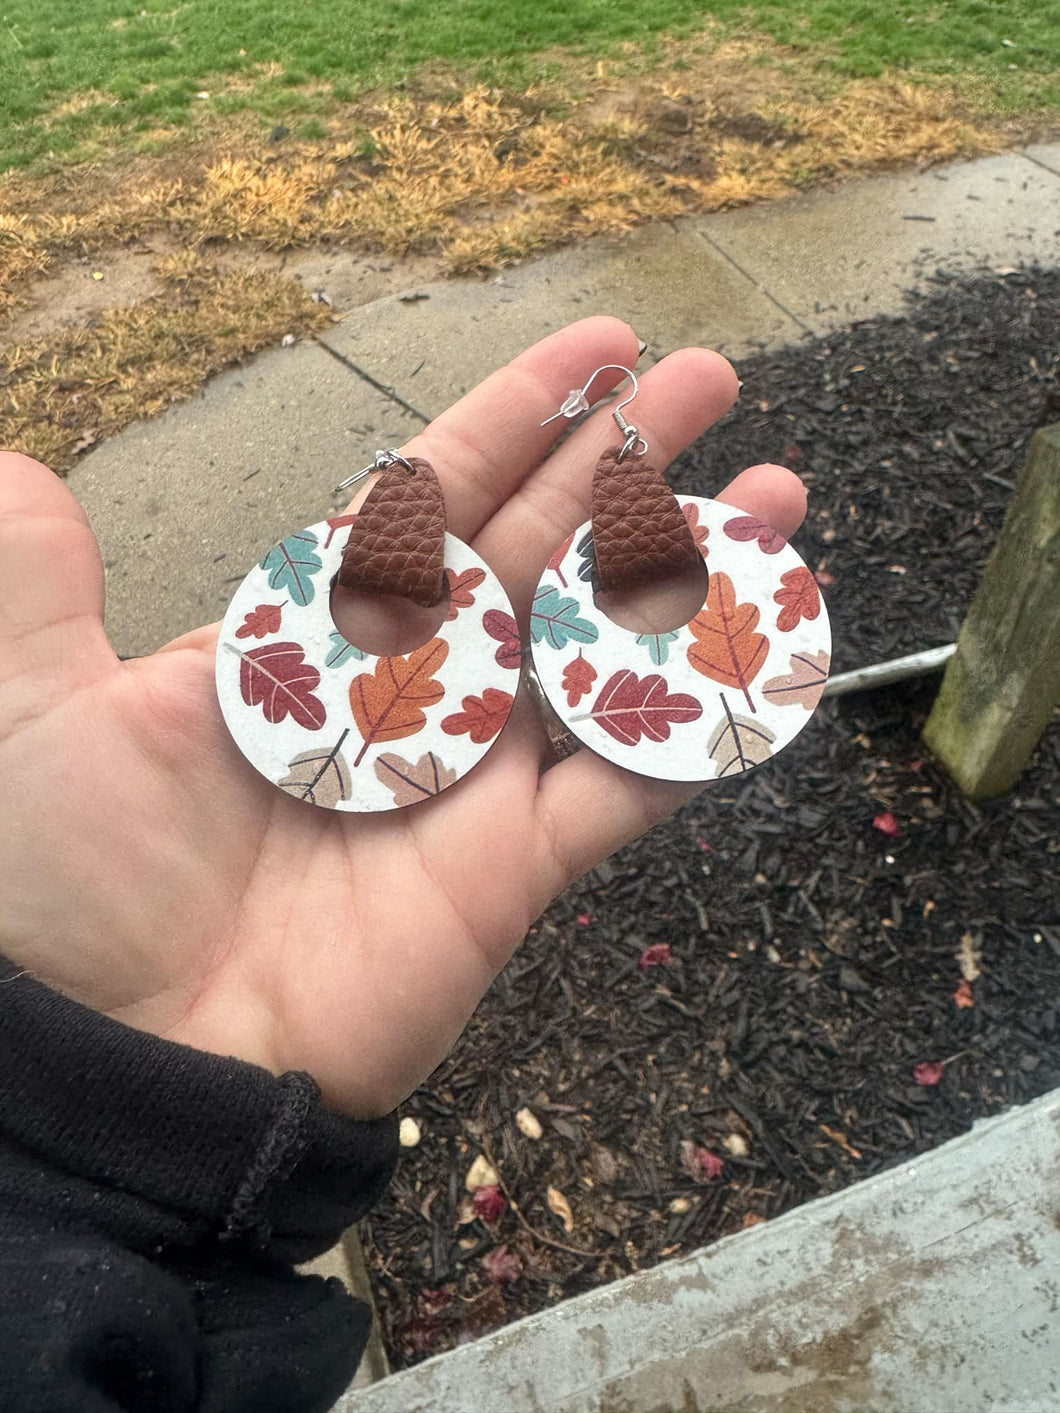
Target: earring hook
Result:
[576, 402]
[383, 459]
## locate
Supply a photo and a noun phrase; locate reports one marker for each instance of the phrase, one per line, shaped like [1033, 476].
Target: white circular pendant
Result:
[712, 699]
[336, 726]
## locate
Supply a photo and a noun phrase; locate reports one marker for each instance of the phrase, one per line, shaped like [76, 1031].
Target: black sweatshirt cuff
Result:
[188, 1143]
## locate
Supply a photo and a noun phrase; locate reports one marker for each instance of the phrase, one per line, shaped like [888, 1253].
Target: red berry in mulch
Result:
[929, 1072]
[501, 1266]
[489, 1203]
[585, 919]
[658, 955]
[887, 824]
[700, 1163]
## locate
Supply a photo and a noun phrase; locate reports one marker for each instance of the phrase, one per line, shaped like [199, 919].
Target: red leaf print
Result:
[800, 598]
[657, 955]
[887, 824]
[336, 522]
[460, 587]
[578, 679]
[489, 1203]
[481, 718]
[699, 530]
[749, 527]
[262, 621]
[504, 628]
[558, 557]
[630, 707]
[928, 1072]
[279, 680]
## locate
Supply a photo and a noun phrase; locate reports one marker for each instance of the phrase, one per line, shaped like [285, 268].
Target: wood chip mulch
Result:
[815, 960]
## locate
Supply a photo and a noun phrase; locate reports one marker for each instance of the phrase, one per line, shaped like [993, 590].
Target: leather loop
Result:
[397, 542]
[639, 530]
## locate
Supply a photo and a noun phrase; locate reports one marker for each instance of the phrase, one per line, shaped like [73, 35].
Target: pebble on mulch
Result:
[826, 996]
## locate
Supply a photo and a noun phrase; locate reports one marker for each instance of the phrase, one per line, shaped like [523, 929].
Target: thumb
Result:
[51, 572]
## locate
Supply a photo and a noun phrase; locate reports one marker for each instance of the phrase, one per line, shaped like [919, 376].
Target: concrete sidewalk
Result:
[186, 503]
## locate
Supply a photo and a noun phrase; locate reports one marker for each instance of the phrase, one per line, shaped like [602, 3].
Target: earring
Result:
[320, 717]
[713, 698]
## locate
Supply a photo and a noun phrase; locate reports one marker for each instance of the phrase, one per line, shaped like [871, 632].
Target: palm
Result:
[146, 869]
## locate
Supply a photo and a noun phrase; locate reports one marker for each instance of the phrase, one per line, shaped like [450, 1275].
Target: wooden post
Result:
[1003, 683]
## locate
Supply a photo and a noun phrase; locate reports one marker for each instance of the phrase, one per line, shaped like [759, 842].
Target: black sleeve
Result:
[154, 1200]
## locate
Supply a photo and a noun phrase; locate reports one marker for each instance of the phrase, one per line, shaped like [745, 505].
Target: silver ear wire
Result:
[576, 402]
[383, 459]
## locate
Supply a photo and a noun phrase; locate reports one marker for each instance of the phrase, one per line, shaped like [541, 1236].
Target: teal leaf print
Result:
[658, 644]
[292, 564]
[341, 651]
[554, 620]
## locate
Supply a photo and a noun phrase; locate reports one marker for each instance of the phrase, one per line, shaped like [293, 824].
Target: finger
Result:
[587, 807]
[50, 564]
[489, 441]
[772, 494]
[679, 399]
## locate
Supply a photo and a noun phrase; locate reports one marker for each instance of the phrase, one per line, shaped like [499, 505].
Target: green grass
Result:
[150, 58]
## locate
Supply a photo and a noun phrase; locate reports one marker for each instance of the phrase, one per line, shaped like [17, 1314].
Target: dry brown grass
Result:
[477, 180]
[59, 395]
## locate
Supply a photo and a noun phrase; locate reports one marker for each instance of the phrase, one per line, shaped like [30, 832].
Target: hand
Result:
[148, 871]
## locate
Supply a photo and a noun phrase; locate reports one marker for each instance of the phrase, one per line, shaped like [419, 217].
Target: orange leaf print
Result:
[460, 589]
[261, 621]
[481, 718]
[578, 679]
[728, 648]
[389, 703]
[799, 598]
[699, 530]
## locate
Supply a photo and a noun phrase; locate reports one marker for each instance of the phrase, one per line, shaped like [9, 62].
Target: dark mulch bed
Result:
[813, 957]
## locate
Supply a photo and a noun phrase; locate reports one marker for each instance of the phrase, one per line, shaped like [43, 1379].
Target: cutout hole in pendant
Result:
[662, 607]
[385, 625]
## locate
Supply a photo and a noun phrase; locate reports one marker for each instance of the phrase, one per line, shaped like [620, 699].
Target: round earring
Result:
[321, 718]
[713, 698]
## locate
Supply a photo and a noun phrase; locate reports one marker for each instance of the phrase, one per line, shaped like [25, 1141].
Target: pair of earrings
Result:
[336, 726]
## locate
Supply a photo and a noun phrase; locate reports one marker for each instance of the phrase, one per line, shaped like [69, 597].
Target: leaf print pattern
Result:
[341, 651]
[482, 717]
[800, 597]
[389, 703]
[336, 522]
[277, 678]
[803, 685]
[557, 559]
[411, 782]
[578, 679]
[319, 777]
[630, 707]
[727, 648]
[699, 530]
[261, 621]
[749, 527]
[554, 620]
[504, 628]
[292, 564]
[460, 590]
[737, 743]
[658, 645]
[587, 569]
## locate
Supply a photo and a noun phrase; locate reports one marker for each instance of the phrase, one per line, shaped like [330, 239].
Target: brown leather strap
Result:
[397, 542]
[639, 530]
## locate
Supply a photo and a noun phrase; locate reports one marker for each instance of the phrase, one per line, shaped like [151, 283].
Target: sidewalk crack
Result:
[758, 286]
[384, 388]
